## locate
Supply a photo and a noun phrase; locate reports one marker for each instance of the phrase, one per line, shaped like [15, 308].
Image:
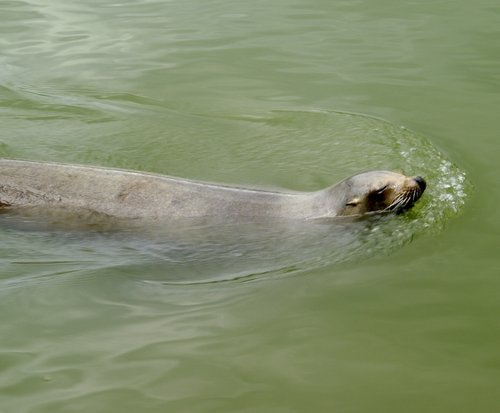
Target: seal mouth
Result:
[407, 198]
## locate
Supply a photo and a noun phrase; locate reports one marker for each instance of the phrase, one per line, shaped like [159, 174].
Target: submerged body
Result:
[136, 195]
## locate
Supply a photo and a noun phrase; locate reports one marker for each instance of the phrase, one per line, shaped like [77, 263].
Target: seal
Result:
[135, 195]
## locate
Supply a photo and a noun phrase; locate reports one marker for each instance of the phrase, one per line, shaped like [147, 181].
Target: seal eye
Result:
[378, 193]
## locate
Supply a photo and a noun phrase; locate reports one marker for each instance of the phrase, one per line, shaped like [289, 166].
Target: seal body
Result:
[136, 195]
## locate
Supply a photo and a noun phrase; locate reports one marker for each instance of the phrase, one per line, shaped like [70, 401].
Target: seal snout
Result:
[421, 182]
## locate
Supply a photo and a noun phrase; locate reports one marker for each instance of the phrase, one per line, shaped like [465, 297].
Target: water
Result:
[392, 314]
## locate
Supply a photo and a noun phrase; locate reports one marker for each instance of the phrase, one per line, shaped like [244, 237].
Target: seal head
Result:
[376, 191]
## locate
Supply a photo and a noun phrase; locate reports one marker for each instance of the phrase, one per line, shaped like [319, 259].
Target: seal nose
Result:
[421, 183]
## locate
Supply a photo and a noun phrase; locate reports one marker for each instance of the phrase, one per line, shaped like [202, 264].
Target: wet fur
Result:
[139, 195]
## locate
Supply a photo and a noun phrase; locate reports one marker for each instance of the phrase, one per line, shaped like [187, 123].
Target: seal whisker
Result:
[403, 200]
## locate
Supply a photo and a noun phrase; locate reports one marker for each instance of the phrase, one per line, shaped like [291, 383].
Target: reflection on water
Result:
[187, 252]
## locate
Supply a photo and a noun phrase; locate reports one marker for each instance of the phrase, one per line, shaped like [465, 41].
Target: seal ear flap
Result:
[353, 202]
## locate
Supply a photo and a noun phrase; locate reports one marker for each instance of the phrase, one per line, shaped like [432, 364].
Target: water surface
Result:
[396, 315]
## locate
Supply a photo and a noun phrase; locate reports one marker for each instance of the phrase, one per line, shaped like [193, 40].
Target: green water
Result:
[403, 317]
